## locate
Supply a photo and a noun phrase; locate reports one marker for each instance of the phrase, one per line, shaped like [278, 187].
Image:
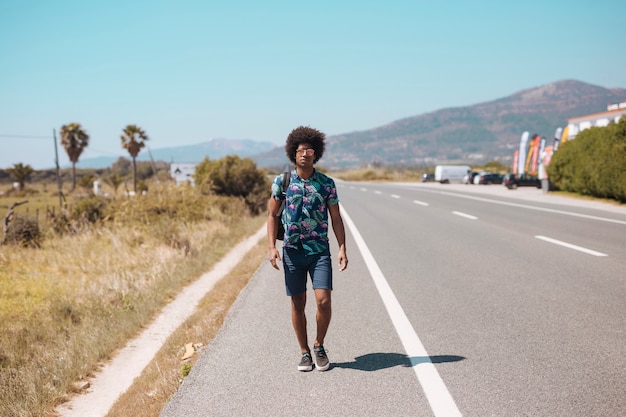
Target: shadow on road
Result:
[377, 361]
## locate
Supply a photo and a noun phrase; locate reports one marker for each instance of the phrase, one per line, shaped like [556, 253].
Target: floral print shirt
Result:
[306, 211]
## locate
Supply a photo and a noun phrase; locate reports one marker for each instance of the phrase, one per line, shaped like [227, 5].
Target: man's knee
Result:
[323, 301]
[298, 302]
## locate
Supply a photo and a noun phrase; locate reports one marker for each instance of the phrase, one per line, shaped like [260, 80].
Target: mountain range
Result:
[214, 149]
[479, 133]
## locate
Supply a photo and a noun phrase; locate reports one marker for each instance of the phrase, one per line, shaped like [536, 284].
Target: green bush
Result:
[235, 177]
[89, 210]
[593, 164]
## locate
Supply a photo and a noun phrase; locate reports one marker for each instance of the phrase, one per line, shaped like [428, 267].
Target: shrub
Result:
[233, 176]
[23, 231]
[593, 164]
[89, 210]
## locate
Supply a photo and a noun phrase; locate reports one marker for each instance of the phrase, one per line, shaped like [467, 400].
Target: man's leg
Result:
[324, 313]
[298, 318]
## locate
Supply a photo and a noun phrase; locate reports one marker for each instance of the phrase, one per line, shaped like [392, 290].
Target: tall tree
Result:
[21, 173]
[133, 139]
[74, 139]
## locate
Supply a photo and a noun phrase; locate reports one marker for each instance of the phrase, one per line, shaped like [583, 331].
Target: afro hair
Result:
[308, 135]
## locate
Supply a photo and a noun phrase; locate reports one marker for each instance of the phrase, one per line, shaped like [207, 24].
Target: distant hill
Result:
[473, 134]
[214, 149]
[477, 134]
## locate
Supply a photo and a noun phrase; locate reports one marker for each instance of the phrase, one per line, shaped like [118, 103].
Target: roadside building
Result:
[183, 173]
[576, 125]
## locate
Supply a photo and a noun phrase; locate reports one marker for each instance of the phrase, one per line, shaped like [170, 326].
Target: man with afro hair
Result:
[310, 199]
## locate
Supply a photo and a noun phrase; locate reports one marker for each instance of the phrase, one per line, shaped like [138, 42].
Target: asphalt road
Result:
[459, 300]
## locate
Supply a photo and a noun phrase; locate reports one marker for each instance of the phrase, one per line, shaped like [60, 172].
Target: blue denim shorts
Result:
[297, 265]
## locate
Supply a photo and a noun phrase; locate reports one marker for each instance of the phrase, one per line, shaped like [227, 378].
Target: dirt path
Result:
[116, 377]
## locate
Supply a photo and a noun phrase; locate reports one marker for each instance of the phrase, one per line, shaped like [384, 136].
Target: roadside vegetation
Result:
[79, 281]
[379, 173]
[593, 164]
[154, 388]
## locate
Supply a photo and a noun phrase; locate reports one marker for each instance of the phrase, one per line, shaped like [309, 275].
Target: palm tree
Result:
[74, 139]
[133, 139]
[20, 172]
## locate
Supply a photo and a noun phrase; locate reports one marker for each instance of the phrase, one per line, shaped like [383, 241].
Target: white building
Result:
[577, 124]
[183, 173]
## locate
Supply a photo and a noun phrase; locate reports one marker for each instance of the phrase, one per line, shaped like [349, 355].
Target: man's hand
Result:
[343, 259]
[274, 257]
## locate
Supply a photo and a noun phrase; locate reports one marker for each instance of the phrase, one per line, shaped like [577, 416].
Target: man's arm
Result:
[340, 234]
[272, 229]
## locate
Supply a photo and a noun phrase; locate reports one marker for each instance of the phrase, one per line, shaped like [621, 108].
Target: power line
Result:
[5, 135]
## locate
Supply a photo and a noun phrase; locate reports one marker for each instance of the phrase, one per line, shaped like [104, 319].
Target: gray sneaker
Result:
[306, 363]
[321, 358]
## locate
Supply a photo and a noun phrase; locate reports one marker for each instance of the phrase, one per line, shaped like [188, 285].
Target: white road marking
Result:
[467, 216]
[378, 192]
[363, 189]
[544, 209]
[570, 246]
[395, 196]
[439, 398]
[421, 203]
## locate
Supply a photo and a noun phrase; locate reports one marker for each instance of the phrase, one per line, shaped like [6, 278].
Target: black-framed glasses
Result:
[307, 151]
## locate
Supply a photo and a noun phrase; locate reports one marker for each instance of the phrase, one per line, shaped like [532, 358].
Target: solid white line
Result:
[421, 203]
[467, 216]
[395, 196]
[570, 246]
[439, 398]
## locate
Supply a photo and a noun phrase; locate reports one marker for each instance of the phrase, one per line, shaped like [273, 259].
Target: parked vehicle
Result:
[451, 173]
[512, 181]
[428, 177]
[477, 177]
[469, 178]
[489, 178]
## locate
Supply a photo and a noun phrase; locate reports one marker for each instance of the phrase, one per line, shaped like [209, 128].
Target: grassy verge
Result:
[66, 306]
[568, 194]
[154, 388]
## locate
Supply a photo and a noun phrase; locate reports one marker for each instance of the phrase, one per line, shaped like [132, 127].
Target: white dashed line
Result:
[421, 203]
[395, 196]
[467, 216]
[570, 246]
[526, 206]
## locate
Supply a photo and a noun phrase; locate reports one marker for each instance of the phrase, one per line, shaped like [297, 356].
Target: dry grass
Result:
[568, 194]
[379, 174]
[154, 388]
[66, 306]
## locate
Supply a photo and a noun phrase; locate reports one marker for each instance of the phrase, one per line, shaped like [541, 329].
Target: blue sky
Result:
[189, 71]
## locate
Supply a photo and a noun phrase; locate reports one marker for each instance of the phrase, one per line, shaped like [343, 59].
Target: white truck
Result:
[451, 173]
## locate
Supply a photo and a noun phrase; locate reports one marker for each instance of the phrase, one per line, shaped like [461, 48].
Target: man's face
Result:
[305, 155]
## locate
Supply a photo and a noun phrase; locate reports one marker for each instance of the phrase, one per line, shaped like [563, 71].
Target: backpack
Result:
[280, 234]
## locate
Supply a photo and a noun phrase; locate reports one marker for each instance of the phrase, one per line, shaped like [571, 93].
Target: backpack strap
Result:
[286, 181]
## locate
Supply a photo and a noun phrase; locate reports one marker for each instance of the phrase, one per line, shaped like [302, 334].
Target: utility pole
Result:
[154, 170]
[56, 154]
